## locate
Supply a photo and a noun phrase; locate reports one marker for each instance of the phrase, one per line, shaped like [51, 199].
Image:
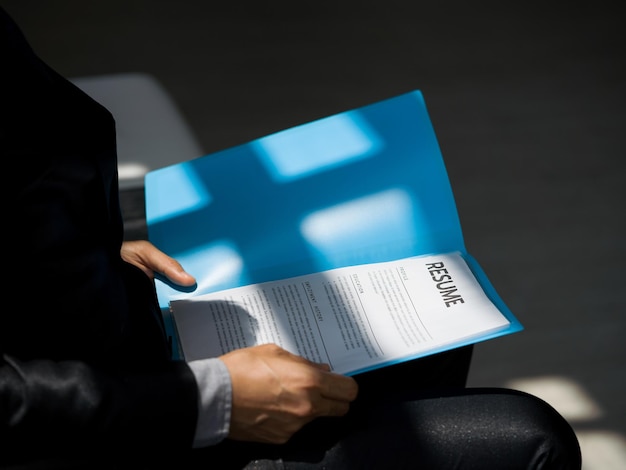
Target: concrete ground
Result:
[528, 102]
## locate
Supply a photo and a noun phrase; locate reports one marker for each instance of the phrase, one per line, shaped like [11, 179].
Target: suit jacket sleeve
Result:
[84, 359]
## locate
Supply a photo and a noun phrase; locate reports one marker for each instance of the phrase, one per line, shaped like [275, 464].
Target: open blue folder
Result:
[362, 186]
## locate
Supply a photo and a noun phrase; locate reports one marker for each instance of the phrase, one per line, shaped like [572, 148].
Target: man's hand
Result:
[150, 259]
[275, 393]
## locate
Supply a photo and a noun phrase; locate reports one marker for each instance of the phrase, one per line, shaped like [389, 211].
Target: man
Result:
[86, 375]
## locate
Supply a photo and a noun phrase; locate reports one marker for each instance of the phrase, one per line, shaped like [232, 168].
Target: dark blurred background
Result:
[527, 100]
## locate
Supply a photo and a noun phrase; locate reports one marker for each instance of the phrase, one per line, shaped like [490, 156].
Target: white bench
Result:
[151, 131]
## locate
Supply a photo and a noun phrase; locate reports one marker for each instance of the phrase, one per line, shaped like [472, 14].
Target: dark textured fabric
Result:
[410, 427]
[83, 349]
[479, 429]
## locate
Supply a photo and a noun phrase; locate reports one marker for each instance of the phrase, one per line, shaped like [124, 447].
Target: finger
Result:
[335, 408]
[158, 261]
[332, 385]
[338, 387]
[174, 271]
[320, 366]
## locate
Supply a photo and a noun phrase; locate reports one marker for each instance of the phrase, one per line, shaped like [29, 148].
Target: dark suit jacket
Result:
[84, 360]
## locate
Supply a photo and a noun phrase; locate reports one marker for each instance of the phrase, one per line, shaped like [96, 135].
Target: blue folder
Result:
[362, 186]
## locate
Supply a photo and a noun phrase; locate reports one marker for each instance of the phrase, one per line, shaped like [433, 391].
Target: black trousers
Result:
[419, 415]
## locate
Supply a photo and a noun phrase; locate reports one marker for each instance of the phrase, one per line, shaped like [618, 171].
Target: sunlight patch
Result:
[316, 146]
[189, 194]
[565, 395]
[360, 222]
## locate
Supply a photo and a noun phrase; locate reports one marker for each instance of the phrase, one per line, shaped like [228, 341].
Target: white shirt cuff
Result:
[214, 401]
